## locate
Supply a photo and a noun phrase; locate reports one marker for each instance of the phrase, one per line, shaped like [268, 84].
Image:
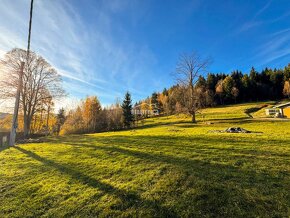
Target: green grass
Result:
[166, 168]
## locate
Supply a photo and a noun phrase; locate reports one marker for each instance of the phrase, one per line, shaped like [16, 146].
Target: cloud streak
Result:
[88, 54]
[276, 46]
[255, 22]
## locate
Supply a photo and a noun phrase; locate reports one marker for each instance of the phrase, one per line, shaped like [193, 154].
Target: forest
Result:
[214, 89]
[223, 89]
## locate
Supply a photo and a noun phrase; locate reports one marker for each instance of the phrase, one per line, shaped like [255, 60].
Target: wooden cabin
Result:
[281, 110]
[149, 110]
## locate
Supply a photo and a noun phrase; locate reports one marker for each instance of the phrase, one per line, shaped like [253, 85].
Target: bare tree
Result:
[188, 69]
[39, 82]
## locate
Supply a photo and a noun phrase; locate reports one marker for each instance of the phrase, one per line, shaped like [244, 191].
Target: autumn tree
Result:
[40, 81]
[204, 94]
[286, 89]
[246, 85]
[287, 72]
[235, 93]
[188, 69]
[219, 89]
[114, 117]
[228, 85]
[163, 102]
[48, 105]
[91, 110]
[74, 122]
[145, 106]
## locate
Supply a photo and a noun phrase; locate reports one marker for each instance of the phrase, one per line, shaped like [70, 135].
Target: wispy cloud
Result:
[249, 25]
[83, 53]
[276, 46]
[263, 9]
[254, 21]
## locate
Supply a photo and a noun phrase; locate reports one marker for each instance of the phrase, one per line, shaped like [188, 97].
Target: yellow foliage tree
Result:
[286, 89]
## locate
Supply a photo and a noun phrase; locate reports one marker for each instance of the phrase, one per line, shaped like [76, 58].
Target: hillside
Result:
[167, 167]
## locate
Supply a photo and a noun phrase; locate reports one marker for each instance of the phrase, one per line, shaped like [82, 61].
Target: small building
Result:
[148, 110]
[281, 110]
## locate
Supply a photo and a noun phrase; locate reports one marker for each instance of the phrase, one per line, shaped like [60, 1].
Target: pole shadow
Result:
[129, 199]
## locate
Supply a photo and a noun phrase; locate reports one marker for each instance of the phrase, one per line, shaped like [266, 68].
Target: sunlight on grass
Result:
[167, 167]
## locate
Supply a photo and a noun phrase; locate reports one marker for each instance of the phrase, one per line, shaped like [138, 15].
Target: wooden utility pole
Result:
[16, 107]
[17, 100]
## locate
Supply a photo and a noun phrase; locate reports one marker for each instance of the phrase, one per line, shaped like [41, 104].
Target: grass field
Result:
[166, 168]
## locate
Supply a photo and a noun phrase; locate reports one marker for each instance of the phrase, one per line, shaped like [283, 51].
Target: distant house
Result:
[281, 110]
[148, 110]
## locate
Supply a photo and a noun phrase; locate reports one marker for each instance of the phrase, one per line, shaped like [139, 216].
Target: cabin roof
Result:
[282, 105]
[138, 106]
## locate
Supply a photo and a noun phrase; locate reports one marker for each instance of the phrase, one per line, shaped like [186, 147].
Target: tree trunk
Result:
[26, 128]
[193, 117]
[47, 120]
[27, 121]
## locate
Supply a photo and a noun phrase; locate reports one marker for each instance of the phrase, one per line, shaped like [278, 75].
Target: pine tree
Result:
[60, 119]
[154, 101]
[127, 110]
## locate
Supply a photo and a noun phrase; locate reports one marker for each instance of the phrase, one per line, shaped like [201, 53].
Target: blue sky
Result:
[106, 47]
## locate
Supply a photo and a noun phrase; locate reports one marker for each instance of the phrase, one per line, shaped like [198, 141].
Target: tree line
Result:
[41, 86]
[90, 117]
[192, 91]
[221, 88]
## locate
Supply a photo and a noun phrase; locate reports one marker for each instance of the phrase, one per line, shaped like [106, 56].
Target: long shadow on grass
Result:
[200, 144]
[223, 178]
[129, 199]
[246, 120]
[162, 123]
[224, 181]
[204, 167]
[201, 166]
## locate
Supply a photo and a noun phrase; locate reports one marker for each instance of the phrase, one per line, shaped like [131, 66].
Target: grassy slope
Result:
[168, 167]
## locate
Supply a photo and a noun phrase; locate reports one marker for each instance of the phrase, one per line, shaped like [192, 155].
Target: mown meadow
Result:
[167, 167]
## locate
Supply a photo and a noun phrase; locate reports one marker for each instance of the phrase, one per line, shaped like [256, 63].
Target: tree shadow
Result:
[201, 144]
[220, 182]
[158, 124]
[228, 119]
[183, 162]
[129, 199]
[206, 170]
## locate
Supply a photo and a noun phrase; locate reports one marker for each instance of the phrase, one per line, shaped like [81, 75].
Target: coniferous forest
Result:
[221, 89]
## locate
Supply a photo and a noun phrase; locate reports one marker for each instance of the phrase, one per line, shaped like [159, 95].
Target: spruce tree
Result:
[60, 119]
[127, 110]
[154, 101]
